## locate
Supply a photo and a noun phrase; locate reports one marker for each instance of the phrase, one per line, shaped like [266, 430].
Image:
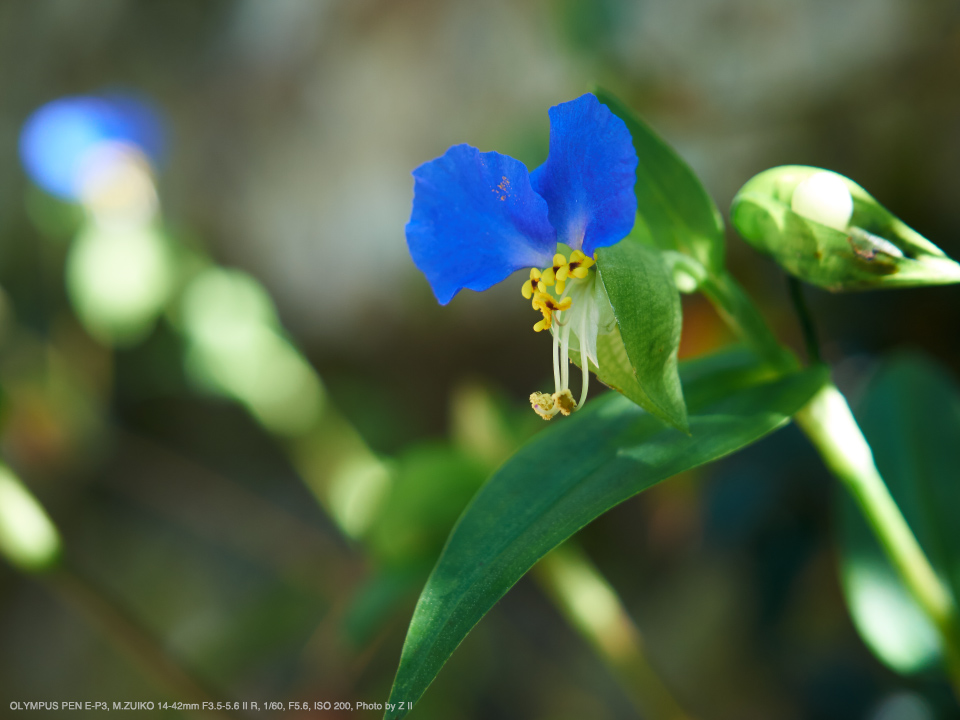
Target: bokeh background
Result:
[252, 426]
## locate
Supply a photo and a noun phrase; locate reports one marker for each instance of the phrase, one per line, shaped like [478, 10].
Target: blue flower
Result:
[479, 217]
[57, 139]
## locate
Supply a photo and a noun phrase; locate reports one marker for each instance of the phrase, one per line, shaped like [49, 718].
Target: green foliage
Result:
[566, 477]
[910, 414]
[432, 484]
[646, 303]
[671, 200]
[865, 248]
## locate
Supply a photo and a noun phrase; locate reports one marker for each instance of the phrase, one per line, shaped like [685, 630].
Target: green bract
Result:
[646, 303]
[827, 230]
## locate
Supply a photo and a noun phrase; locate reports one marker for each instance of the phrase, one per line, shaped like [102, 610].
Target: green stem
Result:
[131, 640]
[737, 310]
[830, 425]
[592, 607]
[806, 319]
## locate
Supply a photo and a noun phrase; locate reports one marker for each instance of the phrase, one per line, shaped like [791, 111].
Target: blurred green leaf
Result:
[378, 601]
[839, 237]
[910, 414]
[432, 484]
[670, 199]
[563, 479]
[646, 303]
[28, 538]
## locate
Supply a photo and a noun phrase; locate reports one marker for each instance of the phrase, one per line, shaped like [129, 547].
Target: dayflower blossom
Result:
[478, 217]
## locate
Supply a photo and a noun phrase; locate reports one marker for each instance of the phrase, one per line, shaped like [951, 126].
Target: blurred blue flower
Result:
[478, 217]
[57, 138]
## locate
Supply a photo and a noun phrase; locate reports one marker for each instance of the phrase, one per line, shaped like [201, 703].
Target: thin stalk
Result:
[556, 361]
[805, 318]
[592, 607]
[131, 641]
[737, 310]
[830, 425]
[584, 362]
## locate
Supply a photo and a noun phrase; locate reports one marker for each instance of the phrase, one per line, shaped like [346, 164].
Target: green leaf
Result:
[432, 485]
[646, 303]
[910, 415]
[670, 199]
[861, 247]
[567, 476]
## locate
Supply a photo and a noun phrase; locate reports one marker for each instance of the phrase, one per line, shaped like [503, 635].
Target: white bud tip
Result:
[824, 198]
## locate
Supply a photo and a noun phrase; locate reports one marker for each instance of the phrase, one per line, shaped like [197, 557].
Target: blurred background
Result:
[236, 428]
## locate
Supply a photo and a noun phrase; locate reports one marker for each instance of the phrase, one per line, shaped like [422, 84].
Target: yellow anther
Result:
[564, 401]
[535, 289]
[546, 406]
[549, 276]
[546, 304]
[577, 268]
[543, 405]
[533, 284]
[579, 265]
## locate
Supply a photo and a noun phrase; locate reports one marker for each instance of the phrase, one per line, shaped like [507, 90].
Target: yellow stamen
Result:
[578, 266]
[532, 284]
[548, 303]
[543, 405]
[546, 406]
[564, 401]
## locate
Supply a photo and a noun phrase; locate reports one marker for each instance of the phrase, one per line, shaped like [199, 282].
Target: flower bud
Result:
[828, 231]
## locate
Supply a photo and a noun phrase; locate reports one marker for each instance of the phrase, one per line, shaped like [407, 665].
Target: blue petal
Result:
[56, 138]
[475, 220]
[589, 175]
